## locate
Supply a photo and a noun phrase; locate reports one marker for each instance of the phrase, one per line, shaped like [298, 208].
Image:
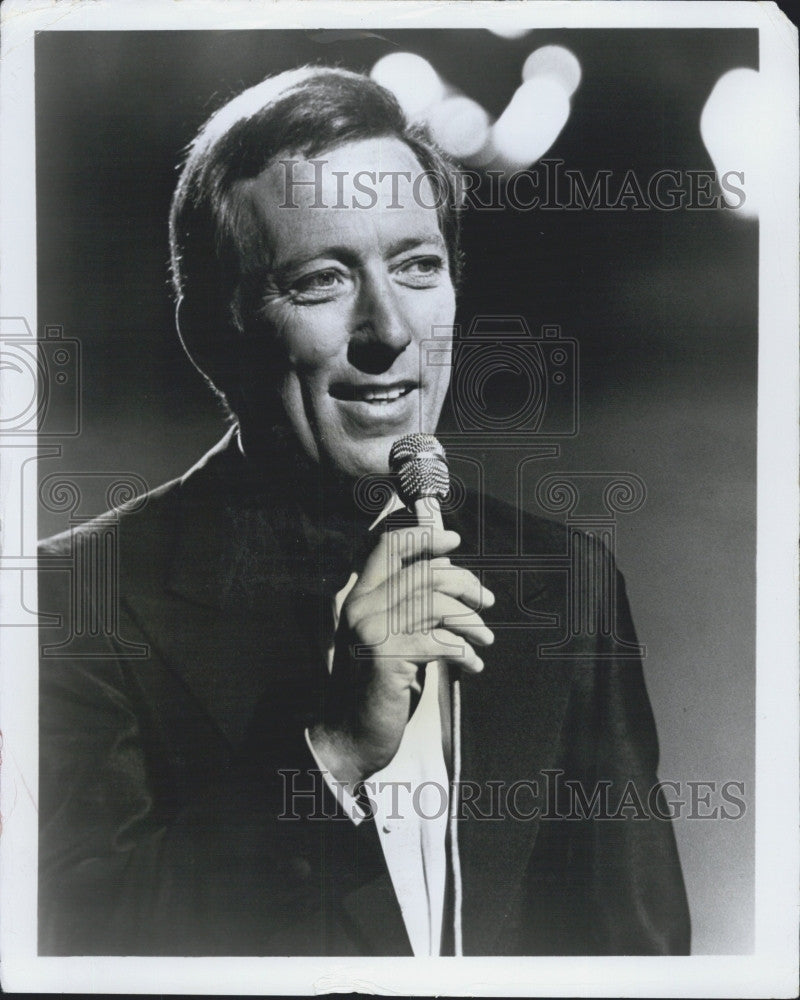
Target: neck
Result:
[278, 461]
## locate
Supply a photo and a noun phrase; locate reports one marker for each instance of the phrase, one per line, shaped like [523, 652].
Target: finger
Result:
[407, 598]
[399, 652]
[462, 584]
[456, 651]
[420, 612]
[423, 542]
[381, 563]
[451, 614]
[401, 546]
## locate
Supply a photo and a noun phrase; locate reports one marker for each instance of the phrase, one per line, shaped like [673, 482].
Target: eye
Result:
[422, 272]
[321, 286]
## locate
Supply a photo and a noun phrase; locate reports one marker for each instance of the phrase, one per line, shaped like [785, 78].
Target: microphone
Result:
[419, 465]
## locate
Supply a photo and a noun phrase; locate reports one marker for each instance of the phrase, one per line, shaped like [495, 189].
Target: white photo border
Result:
[772, 969]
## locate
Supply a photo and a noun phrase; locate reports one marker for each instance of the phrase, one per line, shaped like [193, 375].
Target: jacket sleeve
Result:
[605, 877]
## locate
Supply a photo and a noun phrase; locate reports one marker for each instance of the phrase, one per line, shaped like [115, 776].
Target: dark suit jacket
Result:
[174, 696]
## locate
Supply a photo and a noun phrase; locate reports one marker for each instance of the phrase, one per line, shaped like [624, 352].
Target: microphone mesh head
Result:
[419, 464]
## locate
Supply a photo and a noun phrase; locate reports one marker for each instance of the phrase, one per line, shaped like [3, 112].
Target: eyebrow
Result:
[411, 242]
[345, 254]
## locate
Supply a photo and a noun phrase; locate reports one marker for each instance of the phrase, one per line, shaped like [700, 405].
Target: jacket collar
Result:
[239, 530]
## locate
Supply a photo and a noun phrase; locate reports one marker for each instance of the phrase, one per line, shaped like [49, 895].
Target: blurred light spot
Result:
[412, 80]
[531, 123]
[509, 31]
[459, 125]
[557, 62]
[739, 127]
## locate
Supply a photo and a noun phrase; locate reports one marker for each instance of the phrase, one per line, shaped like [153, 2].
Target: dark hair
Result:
[305, 111]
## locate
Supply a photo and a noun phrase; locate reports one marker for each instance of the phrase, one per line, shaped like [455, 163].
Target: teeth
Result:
[386, 396]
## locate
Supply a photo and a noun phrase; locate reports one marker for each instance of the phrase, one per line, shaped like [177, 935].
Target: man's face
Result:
[350, 294]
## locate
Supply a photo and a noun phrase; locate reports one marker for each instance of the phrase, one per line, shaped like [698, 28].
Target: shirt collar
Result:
[392, 504]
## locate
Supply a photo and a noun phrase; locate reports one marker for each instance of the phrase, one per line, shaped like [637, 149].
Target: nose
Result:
[380, 330]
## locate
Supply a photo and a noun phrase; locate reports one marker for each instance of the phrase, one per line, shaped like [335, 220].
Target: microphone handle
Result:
[429, 512]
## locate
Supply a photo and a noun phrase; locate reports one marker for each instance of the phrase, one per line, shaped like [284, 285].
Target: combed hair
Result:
[215, 241]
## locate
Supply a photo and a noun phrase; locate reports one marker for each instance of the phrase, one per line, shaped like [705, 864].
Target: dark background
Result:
[662, 304]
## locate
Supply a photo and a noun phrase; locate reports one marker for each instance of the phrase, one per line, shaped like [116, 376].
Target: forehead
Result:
[367, 192]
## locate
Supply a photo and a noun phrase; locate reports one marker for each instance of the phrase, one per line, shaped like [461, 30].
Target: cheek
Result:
[443, 373]
[433, 322]
[311, 337]
[435, 311]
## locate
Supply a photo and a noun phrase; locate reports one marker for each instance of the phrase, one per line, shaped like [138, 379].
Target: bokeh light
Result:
[509, 30]
[557, 62]
[412, 80]
[531, 123]
[459, 125]
[738, 127]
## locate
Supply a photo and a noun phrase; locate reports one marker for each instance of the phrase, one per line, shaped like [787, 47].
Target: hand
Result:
[409, 606]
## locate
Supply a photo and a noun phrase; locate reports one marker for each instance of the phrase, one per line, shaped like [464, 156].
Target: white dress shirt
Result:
[410, 801]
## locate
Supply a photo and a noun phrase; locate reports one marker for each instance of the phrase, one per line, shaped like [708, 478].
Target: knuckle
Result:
[372, 632]
[348, 619]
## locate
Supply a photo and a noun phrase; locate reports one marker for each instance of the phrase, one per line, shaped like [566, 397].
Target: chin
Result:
[365, 458]
[352, 456]
[372, 460]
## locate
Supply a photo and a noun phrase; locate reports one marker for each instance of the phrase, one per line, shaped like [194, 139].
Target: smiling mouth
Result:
[375, 395]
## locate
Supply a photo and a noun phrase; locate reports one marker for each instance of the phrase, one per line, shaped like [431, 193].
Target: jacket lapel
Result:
[509, 734]
[511, 719]
[376, 914]
[238, 601]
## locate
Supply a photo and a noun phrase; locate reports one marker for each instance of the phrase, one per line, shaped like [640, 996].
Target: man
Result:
[217, 774]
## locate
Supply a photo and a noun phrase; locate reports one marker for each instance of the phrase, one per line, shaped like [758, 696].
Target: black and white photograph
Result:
[399, 472]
